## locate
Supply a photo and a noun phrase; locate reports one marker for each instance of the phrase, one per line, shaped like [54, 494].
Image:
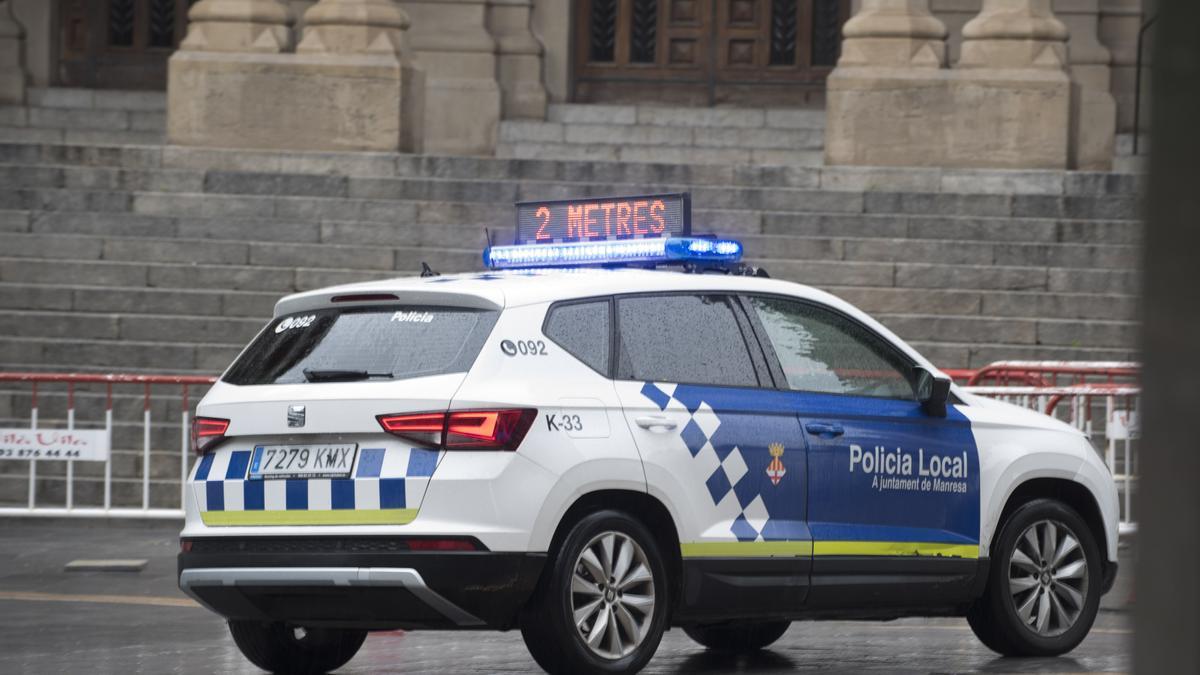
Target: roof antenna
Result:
[488, 234]
[427, 271]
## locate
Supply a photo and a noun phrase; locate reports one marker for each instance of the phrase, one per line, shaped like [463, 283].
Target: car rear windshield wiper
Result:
[341, 375]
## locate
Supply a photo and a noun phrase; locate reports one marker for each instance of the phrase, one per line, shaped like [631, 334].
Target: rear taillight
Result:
[463, 429]
[207, 432]
[454, 544]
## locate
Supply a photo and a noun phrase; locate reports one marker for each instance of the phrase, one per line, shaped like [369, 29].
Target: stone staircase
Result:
[150, 258]
[648, 133]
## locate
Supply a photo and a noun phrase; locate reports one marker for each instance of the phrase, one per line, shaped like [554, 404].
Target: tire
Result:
[1037, 604]
[738, 638]
[280, 648]
[573, 581]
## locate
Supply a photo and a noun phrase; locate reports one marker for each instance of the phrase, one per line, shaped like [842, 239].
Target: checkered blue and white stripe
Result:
[740, 513]
[383, 478]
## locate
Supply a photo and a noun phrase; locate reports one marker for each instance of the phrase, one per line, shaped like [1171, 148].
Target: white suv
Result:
[594, 455]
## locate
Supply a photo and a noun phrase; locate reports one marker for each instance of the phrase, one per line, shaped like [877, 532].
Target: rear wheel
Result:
[601, 605]
[1044, 585]
[739, 637]
[280, 648]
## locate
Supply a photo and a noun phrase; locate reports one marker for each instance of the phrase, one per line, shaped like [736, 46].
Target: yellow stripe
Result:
[768, 549]
[896, 548]
[738, 549]
[339, 517]
[151, 600]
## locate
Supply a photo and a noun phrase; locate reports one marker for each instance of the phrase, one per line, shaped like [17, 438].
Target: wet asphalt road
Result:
[52, 621]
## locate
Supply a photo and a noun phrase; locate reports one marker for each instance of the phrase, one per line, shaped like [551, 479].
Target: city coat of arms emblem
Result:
[776, 469]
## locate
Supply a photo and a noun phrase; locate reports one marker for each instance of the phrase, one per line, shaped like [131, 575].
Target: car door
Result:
[893, 492]
[721, 447]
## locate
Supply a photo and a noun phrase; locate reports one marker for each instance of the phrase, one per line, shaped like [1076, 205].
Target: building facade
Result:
[696, 52]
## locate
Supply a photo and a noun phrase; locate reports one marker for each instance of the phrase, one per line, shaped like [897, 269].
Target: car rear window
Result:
[385, 343]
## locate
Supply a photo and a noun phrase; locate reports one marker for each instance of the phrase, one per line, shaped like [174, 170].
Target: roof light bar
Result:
[660, 250]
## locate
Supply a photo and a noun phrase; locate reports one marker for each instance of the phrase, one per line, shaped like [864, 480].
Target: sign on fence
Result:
[1124, 425]
[89, 445]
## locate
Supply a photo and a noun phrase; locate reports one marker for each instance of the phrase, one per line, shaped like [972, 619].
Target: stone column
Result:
[1093, 108]
[1120, 21]
[890, 103]
[12, 61]
[462, 97]
[1014, 34]
[894, 33]
[239, 26]
[350, 86]
[519, 60]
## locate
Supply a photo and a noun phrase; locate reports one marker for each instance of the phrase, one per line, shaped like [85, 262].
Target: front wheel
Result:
[601, 605]
[281, 648]
[737, 638]
[1044, 586]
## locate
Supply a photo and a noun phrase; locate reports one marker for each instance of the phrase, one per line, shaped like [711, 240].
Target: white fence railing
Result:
[1100, 399]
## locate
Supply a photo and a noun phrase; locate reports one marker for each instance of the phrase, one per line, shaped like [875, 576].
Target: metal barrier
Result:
[41, 382]
[1099, 398]
[1069, 390]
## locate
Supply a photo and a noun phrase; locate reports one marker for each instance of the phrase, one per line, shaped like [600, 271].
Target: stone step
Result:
[653, 136]
[955, 354]
[444, 223]
[259, 278]
[91, 401]
[383, 165]
[680, 116]
[126, 492]
[336, 250]
[37, 117]
[601, 152]
[138, 300]
[78, 136]
[98, 99]
[874, 300]
[376, 200]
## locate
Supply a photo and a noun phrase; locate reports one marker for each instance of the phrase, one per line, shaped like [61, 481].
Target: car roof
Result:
[515, 288]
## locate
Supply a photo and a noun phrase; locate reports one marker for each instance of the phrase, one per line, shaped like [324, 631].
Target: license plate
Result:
[302, 461]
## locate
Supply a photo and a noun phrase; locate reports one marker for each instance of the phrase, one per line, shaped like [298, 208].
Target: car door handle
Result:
[655, 423]
[824, 429]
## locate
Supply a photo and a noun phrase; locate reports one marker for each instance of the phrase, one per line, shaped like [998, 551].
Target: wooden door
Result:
[119, 44]
[706, 51]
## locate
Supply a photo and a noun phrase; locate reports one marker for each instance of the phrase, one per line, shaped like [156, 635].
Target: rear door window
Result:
[686, 338]
[363, 343]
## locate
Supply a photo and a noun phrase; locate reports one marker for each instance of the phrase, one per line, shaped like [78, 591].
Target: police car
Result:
[617, 429]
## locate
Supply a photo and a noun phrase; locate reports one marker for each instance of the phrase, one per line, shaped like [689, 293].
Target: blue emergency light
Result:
[660, 250]
[647, 229]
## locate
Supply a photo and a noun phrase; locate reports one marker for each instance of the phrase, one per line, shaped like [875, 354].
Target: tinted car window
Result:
[582, 328]
[823, 351]
[385, 342]
[683, 338]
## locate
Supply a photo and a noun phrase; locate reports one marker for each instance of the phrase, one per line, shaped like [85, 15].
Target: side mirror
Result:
[932, 392]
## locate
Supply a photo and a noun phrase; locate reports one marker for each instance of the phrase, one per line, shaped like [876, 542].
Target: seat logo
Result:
[295, 416]
[776, 469]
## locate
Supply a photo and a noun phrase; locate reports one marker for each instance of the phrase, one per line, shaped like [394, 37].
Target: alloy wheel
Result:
[1048, 578]
[612, 595]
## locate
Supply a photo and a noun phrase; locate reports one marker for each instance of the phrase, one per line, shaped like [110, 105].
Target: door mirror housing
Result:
[932, 391]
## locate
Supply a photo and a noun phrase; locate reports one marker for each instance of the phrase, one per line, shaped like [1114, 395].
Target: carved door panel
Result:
[706, 51]
[119, 44]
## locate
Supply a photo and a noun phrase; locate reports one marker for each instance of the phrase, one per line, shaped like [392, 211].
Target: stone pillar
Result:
[1093, 108]
[12, 61]
[1014, 34]
[349, 87]
[894, 33]
[1120, 21]
[519, 60]
[462, 97]
[239, 26]
[890, 103]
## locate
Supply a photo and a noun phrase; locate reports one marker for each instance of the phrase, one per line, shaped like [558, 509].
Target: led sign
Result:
[604, 218]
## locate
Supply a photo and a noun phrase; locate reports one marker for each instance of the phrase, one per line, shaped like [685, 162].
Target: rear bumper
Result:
[328, 582]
